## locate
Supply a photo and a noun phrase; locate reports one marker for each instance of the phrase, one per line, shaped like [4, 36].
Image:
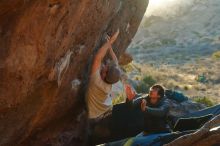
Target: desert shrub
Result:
[149, 80]
[201, 78]
[197, 34]
[216, 55]
[168, 42]
[152, 45]
[204, 100]
[128, 68]
[145, 83]
[186, 88]
[118, 99]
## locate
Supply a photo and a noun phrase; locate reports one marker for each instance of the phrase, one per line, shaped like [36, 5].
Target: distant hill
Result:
[190, 29]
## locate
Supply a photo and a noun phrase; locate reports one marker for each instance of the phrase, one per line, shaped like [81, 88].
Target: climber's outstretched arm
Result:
[102, 52]
[112, 53]
[99, 57]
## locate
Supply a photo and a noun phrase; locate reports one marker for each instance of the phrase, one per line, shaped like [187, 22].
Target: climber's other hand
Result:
[143, 105]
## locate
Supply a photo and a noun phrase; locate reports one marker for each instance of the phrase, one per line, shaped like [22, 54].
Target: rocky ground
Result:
[181, 50]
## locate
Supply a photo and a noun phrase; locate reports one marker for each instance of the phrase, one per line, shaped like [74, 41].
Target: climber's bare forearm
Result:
[99, 57]
[114, 57]
[102, 52]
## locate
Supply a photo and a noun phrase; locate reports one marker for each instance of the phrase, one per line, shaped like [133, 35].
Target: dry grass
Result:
[216, 55]
[185, 77]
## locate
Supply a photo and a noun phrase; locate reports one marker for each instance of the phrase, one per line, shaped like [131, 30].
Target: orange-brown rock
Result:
[46, 48]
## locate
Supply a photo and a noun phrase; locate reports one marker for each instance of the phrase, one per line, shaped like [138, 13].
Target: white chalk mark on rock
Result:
[63, 65]
[75, 84]
[60, 68]
[127, 28]
[119, 7]
[81, 48]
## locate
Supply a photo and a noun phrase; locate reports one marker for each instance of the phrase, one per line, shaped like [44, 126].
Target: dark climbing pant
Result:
[99, 128]
[121, 122]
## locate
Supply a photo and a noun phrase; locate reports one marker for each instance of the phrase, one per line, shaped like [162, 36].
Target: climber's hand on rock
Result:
[114, 37]
[108, 38]
[143, 105]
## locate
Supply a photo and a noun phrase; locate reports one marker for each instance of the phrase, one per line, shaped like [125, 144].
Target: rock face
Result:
[46, 49]
[186, 107]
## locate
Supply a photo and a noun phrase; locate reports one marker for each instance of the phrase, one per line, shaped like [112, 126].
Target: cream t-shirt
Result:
[97, 94]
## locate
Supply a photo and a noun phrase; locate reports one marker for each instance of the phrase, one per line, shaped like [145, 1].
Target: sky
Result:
[165, 7]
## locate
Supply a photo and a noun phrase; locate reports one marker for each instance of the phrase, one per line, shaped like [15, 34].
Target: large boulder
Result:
[179, 109]
[46, 50]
